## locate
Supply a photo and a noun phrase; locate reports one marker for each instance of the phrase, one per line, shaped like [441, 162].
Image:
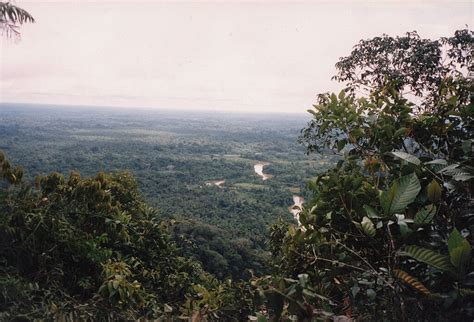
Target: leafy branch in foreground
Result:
[11, 17]
[388, 232]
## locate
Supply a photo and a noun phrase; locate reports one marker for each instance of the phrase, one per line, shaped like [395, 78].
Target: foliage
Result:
[414, 65]
[11, 17]
[89, 247]
[219, 254]
[172, 155]
[388, 232]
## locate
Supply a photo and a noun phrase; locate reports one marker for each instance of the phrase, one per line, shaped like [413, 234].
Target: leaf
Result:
[406, 157]
[463, 177]
[323, 127]
[371, 294]
[404, 229]
[451, 169]
[341, 144]
[371, 213]
[465, 292]
[438, 162]
[459, 249]
[368, 227]
[425, 215]
[434, 190]
[401, 131]
[429, 257]
[402, 193]
[261, 318]
[455, 239]
[410, 280]
[357, 133]
[355, 290]
[341, 95]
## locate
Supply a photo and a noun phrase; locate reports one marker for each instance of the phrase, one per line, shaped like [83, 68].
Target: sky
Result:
[244, 56]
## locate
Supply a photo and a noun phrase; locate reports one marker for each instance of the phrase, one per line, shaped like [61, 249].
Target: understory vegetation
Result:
[386, 232]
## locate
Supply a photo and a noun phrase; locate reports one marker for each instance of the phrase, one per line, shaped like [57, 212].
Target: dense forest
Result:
[109, 214]
[176, 158]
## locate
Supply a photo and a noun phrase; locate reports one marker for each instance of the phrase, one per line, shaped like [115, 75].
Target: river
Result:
[259, 170]
[218, 183]
[297, 207]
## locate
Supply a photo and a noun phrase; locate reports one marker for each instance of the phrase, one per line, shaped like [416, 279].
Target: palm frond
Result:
[11, 17]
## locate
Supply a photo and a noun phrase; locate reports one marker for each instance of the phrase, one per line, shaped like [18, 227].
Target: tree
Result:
[74, 248]
[11, 17]
[414, 65]
[381, 237]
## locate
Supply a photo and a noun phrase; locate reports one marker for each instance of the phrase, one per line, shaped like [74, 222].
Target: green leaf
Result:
[341, 144]
[425, 215]
[368, 227]
[434, 190]
[400, 131]
[404, 229]
[357, 133]
[406, 157]
[459, 249]
[261, 318]
[371, 213]
[429, 257]
[341, 95]
[402, 193]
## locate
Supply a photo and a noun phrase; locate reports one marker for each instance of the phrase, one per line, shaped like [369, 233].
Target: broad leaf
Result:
[406, 157]
[341, 144]
[429, 257]
[434, 190]
[425, 215]
[371, 213]
[410, 280]
[368, 227]
[402, 193]
[459, 249]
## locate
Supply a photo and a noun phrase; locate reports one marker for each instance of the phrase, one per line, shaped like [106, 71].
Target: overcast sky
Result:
[241, 56]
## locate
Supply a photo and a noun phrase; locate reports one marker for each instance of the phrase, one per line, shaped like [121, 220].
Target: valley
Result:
[232, 174]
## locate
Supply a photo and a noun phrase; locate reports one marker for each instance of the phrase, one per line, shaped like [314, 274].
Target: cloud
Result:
[271, 56]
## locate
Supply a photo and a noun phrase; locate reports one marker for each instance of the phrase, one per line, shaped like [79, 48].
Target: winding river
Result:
[296, 209]
[259, 170]
[298, 201]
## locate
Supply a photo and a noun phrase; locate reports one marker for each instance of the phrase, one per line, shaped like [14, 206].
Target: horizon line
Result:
[155, 108]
